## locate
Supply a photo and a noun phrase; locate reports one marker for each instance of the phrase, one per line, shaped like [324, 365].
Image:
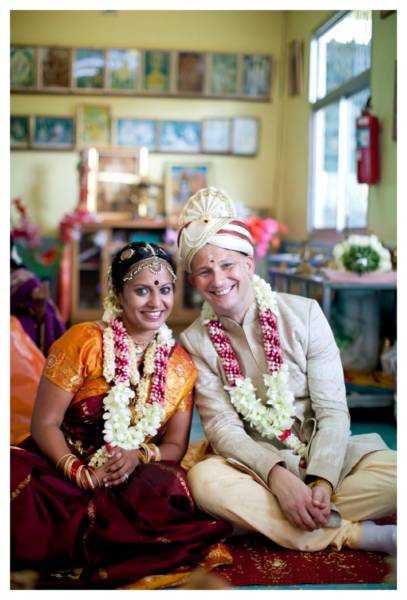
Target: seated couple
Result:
[98, 484]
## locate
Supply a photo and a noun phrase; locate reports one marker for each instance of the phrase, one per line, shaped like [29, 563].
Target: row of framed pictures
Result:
[126, 71]
[94, 127]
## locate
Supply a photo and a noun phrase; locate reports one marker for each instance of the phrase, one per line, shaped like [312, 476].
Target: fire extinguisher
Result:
[367, 147]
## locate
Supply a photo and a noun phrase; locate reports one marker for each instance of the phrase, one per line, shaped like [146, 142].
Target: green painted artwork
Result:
[22, 67]
[122, 69]
[88, 68]
[157, 71]
[224, 74]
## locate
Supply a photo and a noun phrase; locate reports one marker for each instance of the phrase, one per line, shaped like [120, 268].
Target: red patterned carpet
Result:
[257, 561]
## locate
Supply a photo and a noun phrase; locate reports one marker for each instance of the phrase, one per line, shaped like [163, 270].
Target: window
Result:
[339, 89]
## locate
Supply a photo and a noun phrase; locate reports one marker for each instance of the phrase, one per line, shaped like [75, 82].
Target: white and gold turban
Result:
[209, 217]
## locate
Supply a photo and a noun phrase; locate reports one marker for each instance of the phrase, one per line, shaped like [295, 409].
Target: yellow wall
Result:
[277, 177]
[49, 187]
[383, 197]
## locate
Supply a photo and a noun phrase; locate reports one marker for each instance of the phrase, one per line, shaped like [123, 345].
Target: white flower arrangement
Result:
[362, 254]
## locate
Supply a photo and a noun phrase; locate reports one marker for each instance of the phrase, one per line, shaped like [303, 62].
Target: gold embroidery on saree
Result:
[91, 512]
[23, 484]
[57, 371]
[181, 481]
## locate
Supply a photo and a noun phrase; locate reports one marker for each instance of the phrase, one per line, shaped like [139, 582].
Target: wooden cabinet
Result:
[91, 256]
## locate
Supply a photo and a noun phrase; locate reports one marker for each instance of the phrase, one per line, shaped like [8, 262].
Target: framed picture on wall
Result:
[191, 72]
[156, 71]
[20, 131]
[88, 68]
[23, 71]
[223, 74]
[93, 125]
[54, 133]
[256, 75]
[181, 181]
[116, 175]
[245, 136]
[179, 136]
[134, 133]
[216, 136]
[123, 69]
[55, 67]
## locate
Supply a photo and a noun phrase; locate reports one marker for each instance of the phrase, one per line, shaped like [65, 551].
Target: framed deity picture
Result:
[20, 132]
[23, 71]
[191, 72]
[256, 75]
[134, 133]
[245, 136]
[183, 180]
[223, 74]
[55, 68]
[156, 71]
[54, 133]
[93, 125]
[179, 136]
[216, 136]
[123, 69]
[88, 68]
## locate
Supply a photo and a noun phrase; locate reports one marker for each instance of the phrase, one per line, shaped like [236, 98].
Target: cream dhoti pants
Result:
[368, 492]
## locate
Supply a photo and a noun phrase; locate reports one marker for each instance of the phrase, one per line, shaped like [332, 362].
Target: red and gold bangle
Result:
[70, 466]
[93, 473]
[61, 459]
[86, 481]
[144, 454]
[155, 451]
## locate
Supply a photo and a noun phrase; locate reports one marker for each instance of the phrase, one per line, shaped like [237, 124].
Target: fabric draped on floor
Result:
[149, 525]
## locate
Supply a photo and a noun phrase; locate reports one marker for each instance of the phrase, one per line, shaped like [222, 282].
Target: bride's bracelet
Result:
[145, 454]
[74, 470]
[156, 454]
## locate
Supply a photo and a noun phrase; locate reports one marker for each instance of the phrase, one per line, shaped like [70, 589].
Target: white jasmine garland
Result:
[118, 416]
[274, 417]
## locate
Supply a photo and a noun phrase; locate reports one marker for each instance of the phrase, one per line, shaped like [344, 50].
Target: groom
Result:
[272, 402]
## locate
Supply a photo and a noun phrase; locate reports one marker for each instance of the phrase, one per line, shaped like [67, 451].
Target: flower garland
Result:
[362, 254]
[274, 418]
[129, 419]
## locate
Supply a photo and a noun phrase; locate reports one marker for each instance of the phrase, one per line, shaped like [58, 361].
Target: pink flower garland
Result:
[122, 363]
[272, 348]
[160, 374]
[271, 341]
[121, 351]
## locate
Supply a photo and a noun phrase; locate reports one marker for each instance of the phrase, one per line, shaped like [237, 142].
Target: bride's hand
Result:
[120, 466]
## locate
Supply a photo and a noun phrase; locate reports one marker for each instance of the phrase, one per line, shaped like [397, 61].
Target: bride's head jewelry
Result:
[127, 263]
[153, 264]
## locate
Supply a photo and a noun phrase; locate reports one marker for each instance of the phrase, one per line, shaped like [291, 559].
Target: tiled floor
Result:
[362, 421]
